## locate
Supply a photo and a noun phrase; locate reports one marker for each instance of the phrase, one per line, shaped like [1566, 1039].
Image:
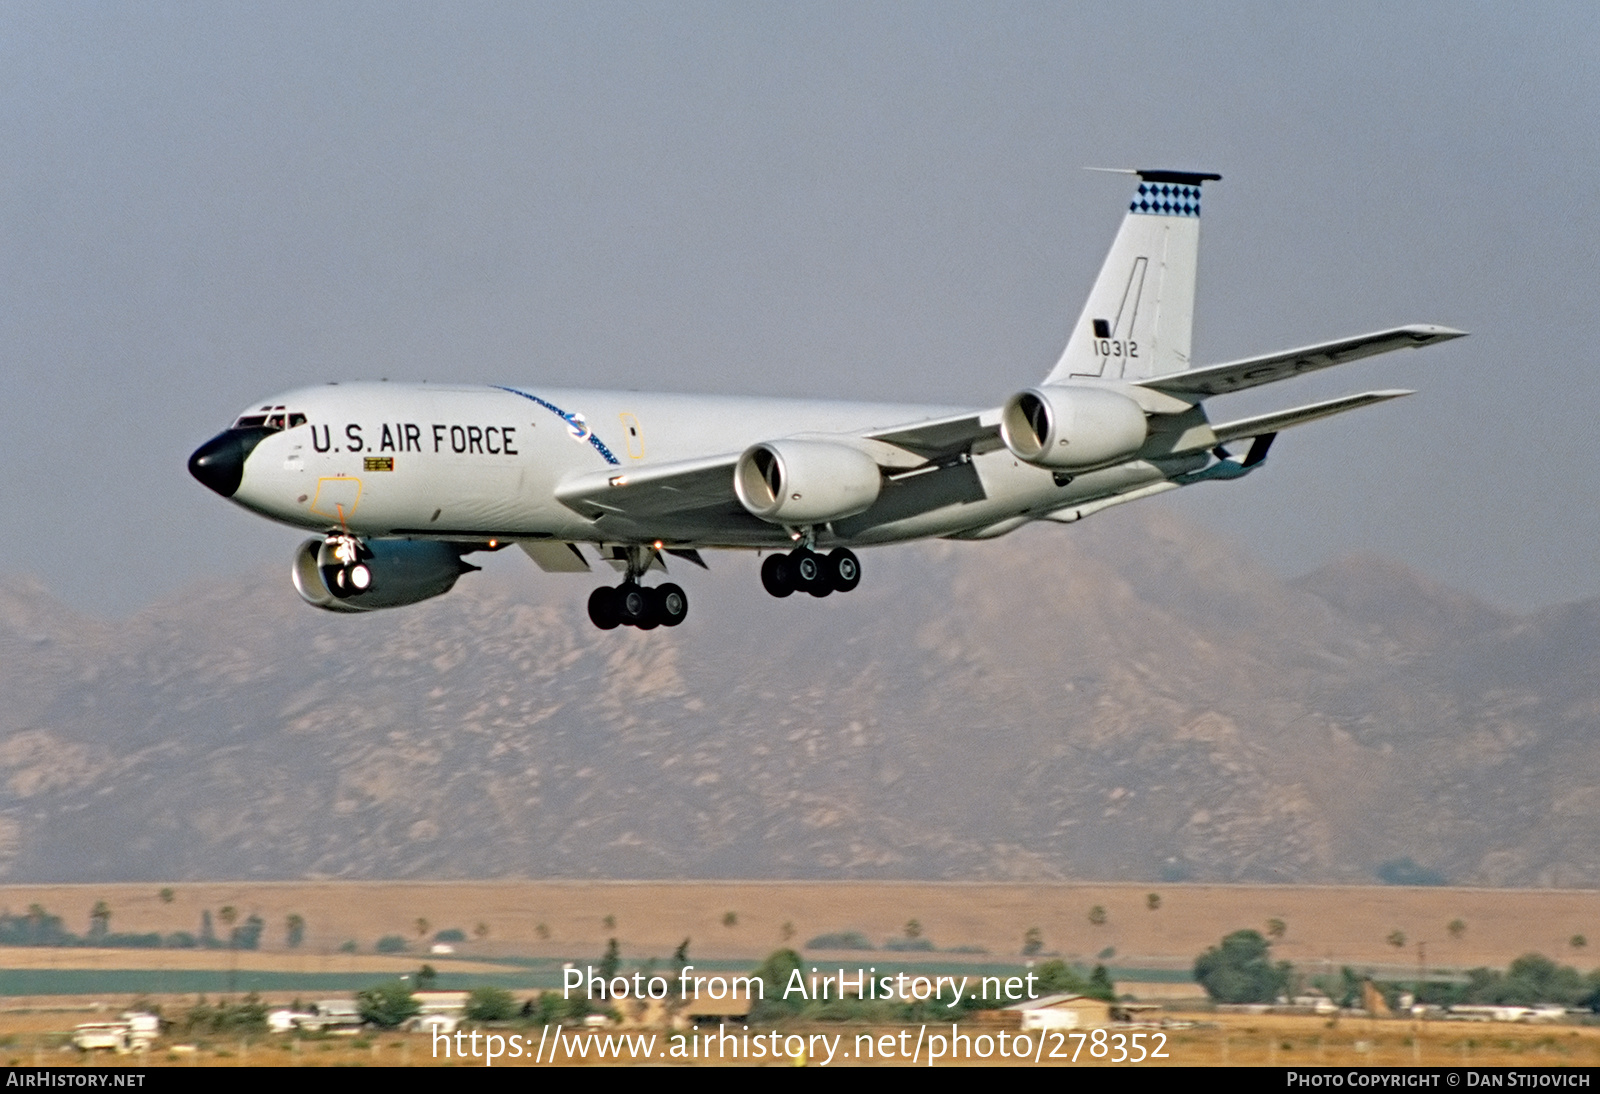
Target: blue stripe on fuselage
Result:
[599, 445]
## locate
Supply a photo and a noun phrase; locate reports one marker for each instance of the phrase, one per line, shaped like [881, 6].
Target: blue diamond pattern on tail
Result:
[1164, 200]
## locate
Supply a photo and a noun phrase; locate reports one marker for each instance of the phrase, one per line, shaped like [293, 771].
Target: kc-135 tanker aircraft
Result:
[401, 481]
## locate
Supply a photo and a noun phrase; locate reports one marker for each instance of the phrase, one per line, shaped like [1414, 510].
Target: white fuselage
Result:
[470, 462]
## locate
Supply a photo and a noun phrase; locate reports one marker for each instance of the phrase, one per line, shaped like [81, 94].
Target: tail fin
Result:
[1140, 313]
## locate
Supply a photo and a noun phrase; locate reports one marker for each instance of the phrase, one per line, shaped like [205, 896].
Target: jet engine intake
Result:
[798, 482]
[1072, 428]
[395, 572]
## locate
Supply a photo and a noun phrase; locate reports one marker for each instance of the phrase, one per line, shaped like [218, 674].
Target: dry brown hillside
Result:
[1127, 699]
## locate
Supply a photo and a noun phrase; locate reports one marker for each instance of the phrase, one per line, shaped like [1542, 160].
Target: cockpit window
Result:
[271, 417]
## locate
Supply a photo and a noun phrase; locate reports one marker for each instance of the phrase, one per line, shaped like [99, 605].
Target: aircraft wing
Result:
[1268, 368]
[1282, 419]
[681, 501]
[941, 438]
[694, 500]
[654, 489]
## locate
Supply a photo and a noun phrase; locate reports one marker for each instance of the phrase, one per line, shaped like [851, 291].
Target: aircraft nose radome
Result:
[219, 463]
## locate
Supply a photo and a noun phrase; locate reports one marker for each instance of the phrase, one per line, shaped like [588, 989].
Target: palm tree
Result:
[296, 924]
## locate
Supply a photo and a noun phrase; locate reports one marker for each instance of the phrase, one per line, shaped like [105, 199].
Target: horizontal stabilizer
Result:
[1282, 419]
[1269, 368]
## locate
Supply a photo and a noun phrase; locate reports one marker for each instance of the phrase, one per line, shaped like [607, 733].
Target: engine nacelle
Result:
[798, 482]
[401, 572]
[1072, 428]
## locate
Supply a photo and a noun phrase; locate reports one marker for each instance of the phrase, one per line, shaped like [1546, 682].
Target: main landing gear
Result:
[803, 570]
[632, 604]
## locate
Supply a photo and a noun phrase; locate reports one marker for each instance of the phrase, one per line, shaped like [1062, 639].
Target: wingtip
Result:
[1433, 332]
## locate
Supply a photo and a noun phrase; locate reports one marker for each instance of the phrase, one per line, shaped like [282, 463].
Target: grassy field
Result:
[519, 933]
[1325, 925]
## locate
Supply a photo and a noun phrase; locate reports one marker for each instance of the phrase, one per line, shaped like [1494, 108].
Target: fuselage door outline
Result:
[635, 432]
[337, 497]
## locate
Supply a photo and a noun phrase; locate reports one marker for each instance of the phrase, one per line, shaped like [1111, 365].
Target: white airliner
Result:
[400, 481]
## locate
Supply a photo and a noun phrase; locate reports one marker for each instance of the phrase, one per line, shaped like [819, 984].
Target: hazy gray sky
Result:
[204, 204]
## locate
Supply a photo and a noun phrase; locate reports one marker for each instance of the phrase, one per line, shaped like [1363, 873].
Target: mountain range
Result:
[1125, 699]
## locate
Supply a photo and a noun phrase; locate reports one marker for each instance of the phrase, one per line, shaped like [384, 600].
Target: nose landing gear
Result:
[349, 580]
[803, 570]
[342, 569]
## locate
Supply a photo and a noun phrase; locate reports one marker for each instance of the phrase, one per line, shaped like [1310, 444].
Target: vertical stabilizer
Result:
[1141, 310]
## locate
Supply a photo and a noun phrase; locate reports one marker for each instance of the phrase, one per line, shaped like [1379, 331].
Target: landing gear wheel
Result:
[634, 606]
[603, 611]
[777, 575]
[844, 569]
[334, 578]
[810, 572]
[672, 605]
[347, 581]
